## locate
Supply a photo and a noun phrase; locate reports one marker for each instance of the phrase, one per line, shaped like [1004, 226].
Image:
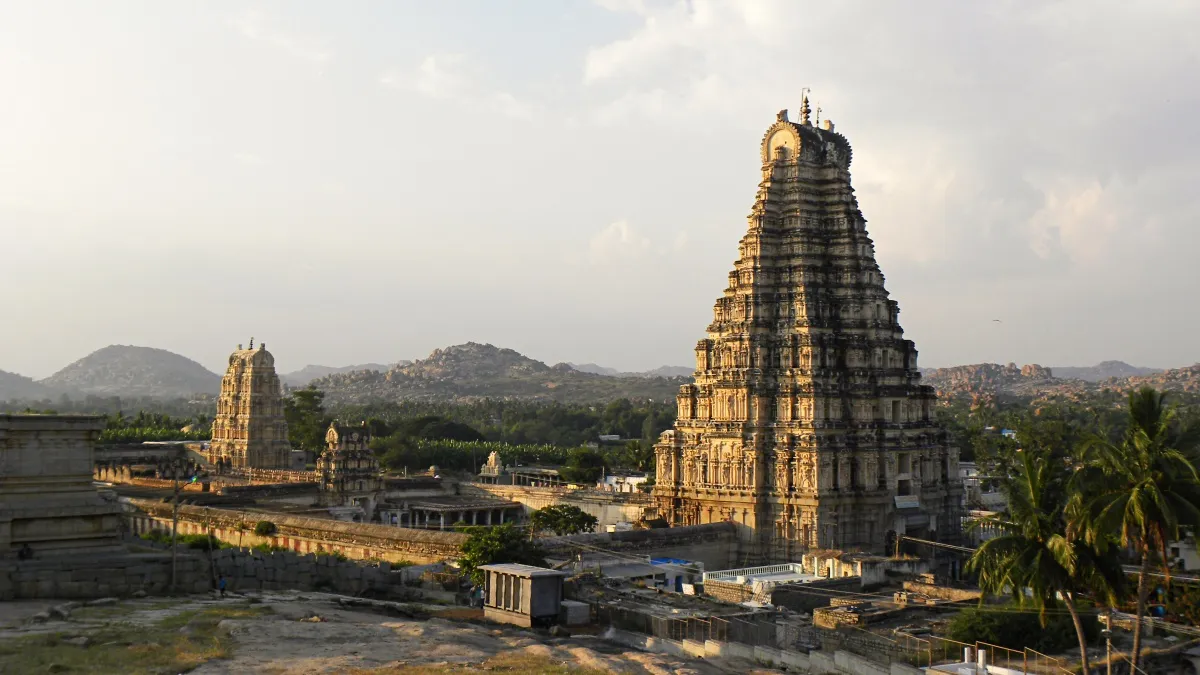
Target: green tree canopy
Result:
[562, 519]
[1144, 487]
[1033, 559]
[307, 422]
[584, 465]
[495, 545]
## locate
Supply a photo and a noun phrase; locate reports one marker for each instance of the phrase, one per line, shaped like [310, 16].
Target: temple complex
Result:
[807, 424]
[250, 431]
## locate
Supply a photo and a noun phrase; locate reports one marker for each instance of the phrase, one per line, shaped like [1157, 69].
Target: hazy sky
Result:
[368, 181]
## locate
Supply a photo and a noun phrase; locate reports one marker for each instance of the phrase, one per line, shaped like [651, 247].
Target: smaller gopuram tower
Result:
[348, 469]
[250, 431]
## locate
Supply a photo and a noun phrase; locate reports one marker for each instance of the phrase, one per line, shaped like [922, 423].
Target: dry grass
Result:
[174, 645]
[510, 662]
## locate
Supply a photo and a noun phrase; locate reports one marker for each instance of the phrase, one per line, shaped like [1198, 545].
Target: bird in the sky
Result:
[997, 321]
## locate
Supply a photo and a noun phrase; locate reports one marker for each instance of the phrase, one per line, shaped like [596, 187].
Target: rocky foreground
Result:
[283, 633]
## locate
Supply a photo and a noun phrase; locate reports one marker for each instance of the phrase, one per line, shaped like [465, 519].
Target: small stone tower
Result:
[349, 471]
[250, 430]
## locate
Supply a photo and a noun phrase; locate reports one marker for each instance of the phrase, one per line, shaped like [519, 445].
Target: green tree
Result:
[1032, 558]
[584, 465]
[562, 519]
[307, 422]
[1010, 626]
[495, 545]
[638, 455]
[1145, 486]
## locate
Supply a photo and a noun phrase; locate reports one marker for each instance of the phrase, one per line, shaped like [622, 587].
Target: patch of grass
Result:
[110, 612]
[508, 662]
[127, 648]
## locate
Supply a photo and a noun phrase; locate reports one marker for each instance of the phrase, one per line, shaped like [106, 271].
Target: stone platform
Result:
[48, 503]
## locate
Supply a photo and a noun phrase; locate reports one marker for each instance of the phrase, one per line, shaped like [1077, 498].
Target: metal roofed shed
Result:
[522, 594]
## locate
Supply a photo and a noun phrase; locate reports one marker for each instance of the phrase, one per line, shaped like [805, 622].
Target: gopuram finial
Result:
[817, 115]
[804, 109]
[251, 343]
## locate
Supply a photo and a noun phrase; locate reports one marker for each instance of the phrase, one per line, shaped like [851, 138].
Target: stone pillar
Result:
[487, 517]
[442, 520]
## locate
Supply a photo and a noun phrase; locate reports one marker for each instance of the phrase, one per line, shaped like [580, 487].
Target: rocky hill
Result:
[127, 371]
[1102, 371]
[1177, 379]
[302, 377]
[985, 381]
[988, 379]
[18, 387]
[472, 371]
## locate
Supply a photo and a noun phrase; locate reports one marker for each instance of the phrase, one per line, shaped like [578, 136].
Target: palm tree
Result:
[1150, 488]
[1033, 559]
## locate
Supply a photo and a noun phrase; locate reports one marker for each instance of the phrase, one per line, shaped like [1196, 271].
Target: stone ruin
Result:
[48, 504]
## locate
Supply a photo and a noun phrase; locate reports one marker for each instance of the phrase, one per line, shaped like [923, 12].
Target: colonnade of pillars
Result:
[536, 480]
[444, 519]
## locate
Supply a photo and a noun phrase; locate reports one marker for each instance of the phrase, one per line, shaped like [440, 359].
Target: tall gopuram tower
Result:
[807, 423]
[250, 430]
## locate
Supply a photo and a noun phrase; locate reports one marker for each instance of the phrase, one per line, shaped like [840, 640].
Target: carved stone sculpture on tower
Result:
[806, 381]
[250, 430]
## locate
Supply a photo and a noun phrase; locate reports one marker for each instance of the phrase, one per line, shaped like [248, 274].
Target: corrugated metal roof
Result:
[522, 570]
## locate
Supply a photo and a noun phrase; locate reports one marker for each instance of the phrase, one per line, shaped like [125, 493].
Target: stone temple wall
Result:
[119, 574]
[357, 541]
[122, 575]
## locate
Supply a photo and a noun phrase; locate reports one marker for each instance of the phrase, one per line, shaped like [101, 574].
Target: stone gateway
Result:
[807, 425]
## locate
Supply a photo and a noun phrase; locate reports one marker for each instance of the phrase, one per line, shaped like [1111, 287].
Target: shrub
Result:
[265, 528]
[1017, 627]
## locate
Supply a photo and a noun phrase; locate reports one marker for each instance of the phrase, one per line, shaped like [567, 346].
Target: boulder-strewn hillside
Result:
[14, 387]
[988, 378]
[1177, 379]
[472, 370]
[121, 370]
[302, 377]
[1102, 371]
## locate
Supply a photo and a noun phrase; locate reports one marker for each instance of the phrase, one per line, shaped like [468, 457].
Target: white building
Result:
[621, 482]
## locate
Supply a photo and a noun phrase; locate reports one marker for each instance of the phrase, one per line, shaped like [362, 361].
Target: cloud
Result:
[452, 77]
[255, 25]
[1019, 132]
[616, 242]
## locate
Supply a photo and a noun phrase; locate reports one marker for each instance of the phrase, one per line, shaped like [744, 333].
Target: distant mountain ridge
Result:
[1102, 371]
[473, 371]
[300, 378]
[14, 386]
[126, 370]
[661, 371]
